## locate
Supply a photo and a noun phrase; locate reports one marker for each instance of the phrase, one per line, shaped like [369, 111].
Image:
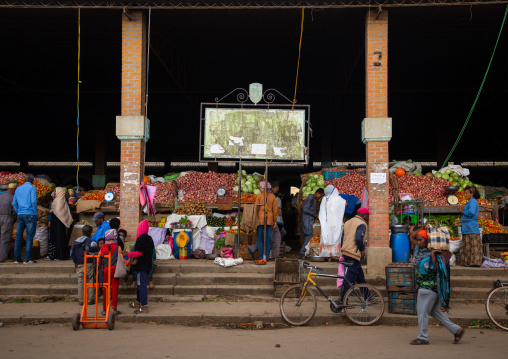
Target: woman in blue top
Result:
[472, 253]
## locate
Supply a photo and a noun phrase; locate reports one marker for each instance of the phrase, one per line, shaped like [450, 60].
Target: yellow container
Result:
[505, 257]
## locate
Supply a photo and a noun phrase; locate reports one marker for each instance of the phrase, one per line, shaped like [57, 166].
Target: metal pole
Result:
[266, 198]
[237, 241]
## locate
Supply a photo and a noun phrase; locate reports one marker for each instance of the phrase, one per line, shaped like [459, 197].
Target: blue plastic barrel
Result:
[399, 243]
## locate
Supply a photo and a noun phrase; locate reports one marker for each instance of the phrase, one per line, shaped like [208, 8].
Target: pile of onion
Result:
[202, 187]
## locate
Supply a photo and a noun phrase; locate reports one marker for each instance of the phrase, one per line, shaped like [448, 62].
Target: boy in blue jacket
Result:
[82, 244]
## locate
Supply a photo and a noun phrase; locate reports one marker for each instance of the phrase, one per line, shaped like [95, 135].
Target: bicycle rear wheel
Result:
[298, 305]
[496, 305]
[364, 304]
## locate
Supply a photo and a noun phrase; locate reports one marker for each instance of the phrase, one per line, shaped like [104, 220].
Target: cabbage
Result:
[438, 175]
[235, 189]
[257, 191]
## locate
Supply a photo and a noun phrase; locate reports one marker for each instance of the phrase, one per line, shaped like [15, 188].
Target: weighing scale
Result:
[221, 192]
[452, 198]
[109, 197]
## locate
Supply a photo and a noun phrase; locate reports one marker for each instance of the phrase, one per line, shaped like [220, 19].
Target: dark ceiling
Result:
[437, 58]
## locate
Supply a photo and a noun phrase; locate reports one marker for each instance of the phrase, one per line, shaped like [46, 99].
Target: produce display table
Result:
[198, 222]
[446, 210]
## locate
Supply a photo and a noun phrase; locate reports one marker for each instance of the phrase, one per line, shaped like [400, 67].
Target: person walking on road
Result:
[432, 288]
[25, 205]
[7, 219]
[309, 215]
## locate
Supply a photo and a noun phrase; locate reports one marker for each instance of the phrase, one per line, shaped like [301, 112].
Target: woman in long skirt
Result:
[471, 254]
[61, 220]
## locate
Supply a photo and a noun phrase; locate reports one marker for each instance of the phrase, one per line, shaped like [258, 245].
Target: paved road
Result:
[134, 340]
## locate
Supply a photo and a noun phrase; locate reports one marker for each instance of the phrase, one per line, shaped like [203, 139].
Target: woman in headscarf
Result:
[143, 250]
[111, 247]
[432, 288]
[267, 213]
[331, 214]
[61, 220]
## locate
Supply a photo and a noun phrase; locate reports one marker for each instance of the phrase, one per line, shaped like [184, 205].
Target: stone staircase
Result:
[197, 280]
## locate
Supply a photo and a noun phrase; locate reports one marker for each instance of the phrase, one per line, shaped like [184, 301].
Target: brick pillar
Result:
[131, 126]
[376, 134]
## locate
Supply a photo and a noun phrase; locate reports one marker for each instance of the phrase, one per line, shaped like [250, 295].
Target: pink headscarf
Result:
[142, 228]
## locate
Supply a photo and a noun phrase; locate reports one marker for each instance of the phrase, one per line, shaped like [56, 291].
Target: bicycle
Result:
[363, 304]
[496, 304]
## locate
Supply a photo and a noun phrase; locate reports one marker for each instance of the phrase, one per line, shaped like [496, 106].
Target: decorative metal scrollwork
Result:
[242, 95]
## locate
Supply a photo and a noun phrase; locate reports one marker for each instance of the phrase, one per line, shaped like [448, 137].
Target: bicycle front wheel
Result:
[298, 305]
[364, 304]
[497, 307]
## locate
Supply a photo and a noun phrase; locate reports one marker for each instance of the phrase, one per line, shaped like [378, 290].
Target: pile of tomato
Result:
[315, 239]
[94, 196]
[41, 189]
[490, 226]
[245, 198]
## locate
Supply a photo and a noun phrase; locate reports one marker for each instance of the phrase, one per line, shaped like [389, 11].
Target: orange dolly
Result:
[81, 318]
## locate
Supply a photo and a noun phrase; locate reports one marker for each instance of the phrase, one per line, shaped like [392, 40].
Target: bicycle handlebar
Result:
[306, 265]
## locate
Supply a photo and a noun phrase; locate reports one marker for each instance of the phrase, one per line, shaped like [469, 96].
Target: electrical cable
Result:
[77, 124]
[299, 53]
[474, 103]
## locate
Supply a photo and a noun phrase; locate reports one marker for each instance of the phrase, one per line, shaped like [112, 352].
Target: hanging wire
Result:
[148, 61]
[77, 124]
[299, 52]
[474, 103]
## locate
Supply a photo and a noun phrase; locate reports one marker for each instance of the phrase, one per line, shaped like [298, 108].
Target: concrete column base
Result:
[377, 259]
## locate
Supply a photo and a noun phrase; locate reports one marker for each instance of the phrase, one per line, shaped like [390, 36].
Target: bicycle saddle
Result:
[346, 264]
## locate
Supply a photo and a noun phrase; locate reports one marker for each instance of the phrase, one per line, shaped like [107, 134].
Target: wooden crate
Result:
[402, 303]
[245, 239]
[244, 254]
[287, 271]
[400, 277]
[279, 289]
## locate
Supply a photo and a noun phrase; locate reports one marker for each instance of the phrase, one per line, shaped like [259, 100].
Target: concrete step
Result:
[219, 278]
[61, 290]
[206, 266]
[217, 313]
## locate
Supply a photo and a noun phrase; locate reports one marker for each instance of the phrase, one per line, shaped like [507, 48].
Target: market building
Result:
[385, 80]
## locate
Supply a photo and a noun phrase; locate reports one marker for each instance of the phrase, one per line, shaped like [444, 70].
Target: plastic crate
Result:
[330, 175]
[402, 303]
[495, 238]
[400, 277]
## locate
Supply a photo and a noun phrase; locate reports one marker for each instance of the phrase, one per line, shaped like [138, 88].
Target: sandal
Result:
[134, 305]
[103, 313]
[140, 311]
[459, 336]
[419, 342]
[116, 312]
